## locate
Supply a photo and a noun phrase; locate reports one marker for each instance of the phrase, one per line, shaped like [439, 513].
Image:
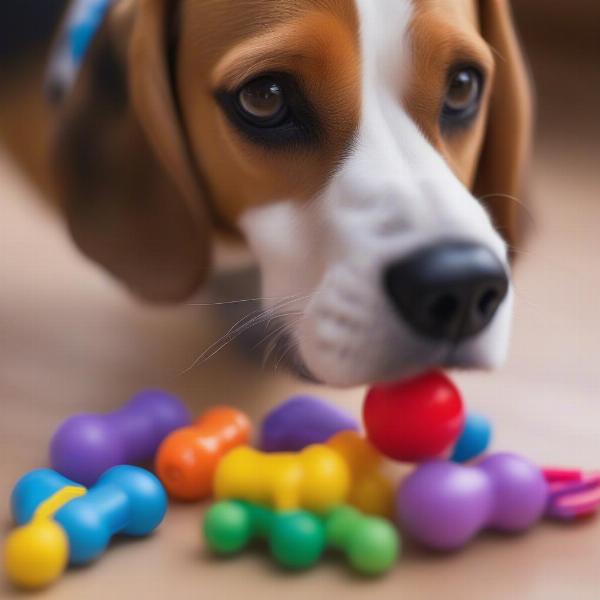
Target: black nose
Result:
[449, 291]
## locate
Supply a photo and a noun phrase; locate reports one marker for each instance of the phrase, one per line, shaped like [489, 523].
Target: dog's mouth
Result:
[286, 356]
[321, 344]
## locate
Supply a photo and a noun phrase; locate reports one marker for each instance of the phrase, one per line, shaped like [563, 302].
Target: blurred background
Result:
[71, 340]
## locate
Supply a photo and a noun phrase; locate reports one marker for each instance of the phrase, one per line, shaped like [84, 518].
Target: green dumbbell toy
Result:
[298, 539]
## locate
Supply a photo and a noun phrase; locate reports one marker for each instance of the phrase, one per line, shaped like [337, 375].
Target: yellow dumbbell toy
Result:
[315, 479]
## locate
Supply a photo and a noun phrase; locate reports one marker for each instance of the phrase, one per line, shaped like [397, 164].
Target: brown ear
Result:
[506, 150]
[129, 192]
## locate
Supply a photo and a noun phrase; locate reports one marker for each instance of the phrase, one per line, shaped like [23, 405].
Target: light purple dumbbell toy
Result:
[443, 505]
[301, 422]
[85, 446]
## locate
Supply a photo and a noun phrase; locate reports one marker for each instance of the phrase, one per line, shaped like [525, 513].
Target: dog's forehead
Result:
[384, 23]
[235, 20]
[464, 11]
[444, 21]
[220, 24]
[254, 15]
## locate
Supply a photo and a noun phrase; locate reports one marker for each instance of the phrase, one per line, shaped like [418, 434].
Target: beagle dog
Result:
[370, 152]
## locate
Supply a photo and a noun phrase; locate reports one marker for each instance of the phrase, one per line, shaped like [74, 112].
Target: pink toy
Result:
[573, 494]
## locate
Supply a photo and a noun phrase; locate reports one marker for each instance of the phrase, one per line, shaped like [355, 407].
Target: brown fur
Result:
[502, 169]
[491, 156]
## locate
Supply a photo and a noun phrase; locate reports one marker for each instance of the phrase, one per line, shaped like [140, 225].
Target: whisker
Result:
[272, 333]
[292, 345]
[516, 200]
[241, 301]
[498, 54]
[261, 311]
[297, 299]
[241, 326]
[275, 343]
[223, 341]
[233, 337]
[230, 332]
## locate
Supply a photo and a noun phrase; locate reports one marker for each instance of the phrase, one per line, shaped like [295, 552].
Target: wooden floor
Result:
[71, 341]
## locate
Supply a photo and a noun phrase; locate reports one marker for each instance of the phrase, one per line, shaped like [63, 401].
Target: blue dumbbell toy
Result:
[62, 521]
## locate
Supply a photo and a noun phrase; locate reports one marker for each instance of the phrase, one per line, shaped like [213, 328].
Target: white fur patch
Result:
[392, 195]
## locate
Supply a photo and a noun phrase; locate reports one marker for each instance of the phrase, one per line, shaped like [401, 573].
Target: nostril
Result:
[488, 303]
[444, 308]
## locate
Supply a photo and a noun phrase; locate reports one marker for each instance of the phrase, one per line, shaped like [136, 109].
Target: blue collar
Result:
[82, 21]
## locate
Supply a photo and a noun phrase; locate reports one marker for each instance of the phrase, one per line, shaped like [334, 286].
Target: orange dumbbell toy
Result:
[186, 461]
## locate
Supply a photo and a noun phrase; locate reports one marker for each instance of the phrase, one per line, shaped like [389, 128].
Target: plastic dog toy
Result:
[370, 490]
[301, 422]
[61, 519]
[573, 494]
[87, 445]
[315, 479]
[186, 461]
[443, 505]
[474, 440]
[306, 420]
[414, 420]
[297, 540]
[36, 554]
[371, 544]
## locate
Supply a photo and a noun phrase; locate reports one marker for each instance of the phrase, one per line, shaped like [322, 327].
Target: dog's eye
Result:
[262, 102]
[273, 111]
[463, 97]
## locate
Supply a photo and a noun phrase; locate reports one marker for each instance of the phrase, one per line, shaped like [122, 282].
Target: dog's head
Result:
[370, 152]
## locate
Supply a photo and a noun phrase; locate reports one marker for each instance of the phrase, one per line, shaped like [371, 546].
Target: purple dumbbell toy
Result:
[87, 445]
[443, 505]
[301, 422]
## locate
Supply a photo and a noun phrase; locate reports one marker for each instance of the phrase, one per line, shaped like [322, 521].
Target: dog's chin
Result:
[294, 364]
[354, 374]
[342, 370]
[346, 377]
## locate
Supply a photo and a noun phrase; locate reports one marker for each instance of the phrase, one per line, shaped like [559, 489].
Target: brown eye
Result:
[262, 102]
[462, 97]
[272, 111]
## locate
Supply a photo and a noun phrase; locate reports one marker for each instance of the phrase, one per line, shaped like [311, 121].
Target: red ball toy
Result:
[414, 420]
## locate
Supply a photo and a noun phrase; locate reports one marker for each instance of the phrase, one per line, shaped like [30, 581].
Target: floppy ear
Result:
[127, 185]
[505, 156]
